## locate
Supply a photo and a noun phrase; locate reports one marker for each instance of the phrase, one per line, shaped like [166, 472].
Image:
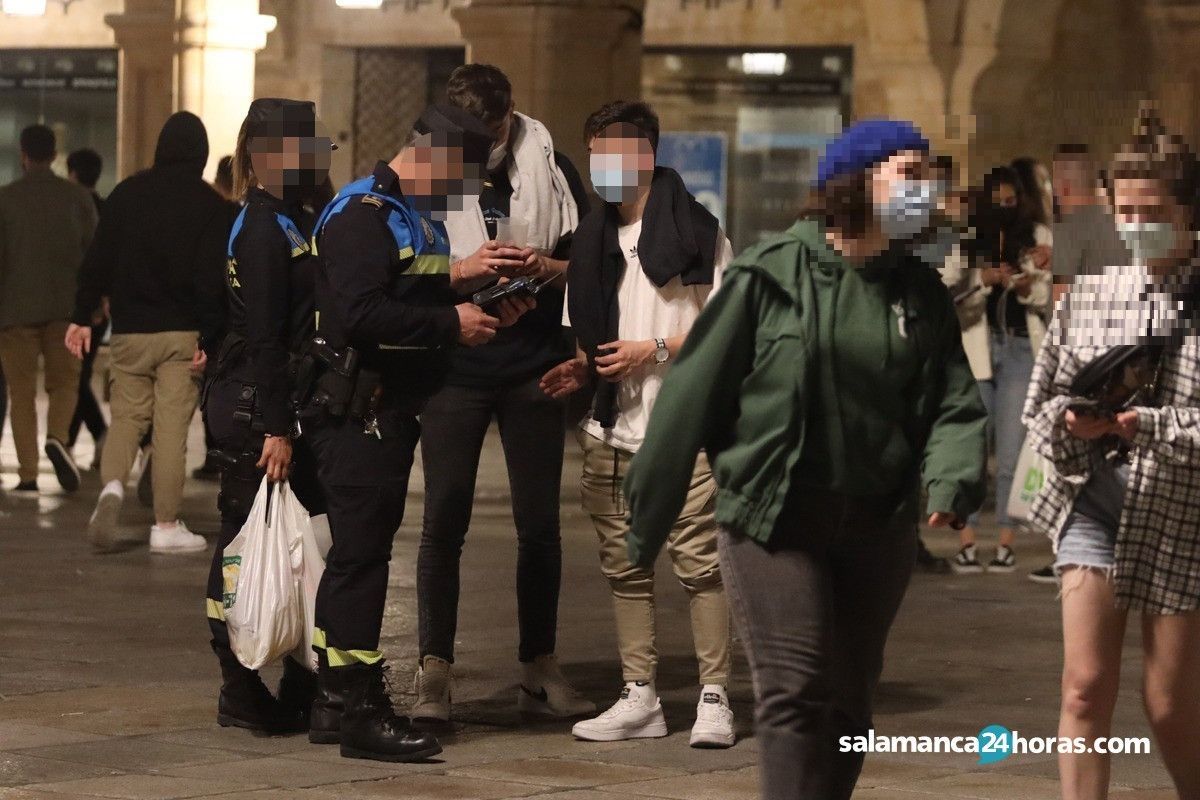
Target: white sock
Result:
[712, 688]
[645, 693]
[114, 487]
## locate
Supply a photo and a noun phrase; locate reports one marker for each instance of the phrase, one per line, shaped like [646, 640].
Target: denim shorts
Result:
[1089, 537]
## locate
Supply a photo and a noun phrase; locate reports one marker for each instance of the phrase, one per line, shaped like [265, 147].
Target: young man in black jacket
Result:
[159, 255]
[521, 226]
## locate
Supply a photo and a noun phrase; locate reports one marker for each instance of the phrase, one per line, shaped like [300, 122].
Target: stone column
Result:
[196, 56]
[565, 57]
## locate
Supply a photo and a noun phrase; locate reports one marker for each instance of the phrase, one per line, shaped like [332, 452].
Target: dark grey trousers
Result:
[813, 610]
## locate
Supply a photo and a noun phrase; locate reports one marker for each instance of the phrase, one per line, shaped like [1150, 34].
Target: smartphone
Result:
[1083, 407]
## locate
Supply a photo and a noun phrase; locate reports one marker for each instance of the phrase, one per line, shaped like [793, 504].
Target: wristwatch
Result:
[661, 353]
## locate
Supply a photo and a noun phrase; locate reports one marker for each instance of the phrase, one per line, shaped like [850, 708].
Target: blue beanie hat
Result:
[865, 144]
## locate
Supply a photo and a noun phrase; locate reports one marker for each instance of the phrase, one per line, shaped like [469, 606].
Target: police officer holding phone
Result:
[389, 317]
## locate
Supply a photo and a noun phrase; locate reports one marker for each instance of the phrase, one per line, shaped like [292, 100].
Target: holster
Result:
[240, 479]
[331, 383]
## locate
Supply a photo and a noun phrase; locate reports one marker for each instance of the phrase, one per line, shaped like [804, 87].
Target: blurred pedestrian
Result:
[643, 265]
[1003, 325]
[46, 224]
[1120, 505]
[1036, 180]
[223, 181]
[1085, 240]
[84, 168]
[532, 192]
[159, 255]
[819, 479]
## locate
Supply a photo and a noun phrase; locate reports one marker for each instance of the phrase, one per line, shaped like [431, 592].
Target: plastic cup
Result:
[512, 232]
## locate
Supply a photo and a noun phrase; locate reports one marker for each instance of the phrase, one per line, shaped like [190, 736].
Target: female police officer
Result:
[279, 165]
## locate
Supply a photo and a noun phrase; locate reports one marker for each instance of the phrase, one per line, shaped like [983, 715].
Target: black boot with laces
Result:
[370, 727]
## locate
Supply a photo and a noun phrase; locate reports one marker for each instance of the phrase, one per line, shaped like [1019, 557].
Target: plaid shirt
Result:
[1157, 567]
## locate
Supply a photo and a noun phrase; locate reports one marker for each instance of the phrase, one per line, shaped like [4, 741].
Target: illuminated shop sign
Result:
[59, 70]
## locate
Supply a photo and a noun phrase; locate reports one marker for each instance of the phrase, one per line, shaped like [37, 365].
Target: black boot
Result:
[325, 719]
[297, 691]
[245, 701]
[370, 727]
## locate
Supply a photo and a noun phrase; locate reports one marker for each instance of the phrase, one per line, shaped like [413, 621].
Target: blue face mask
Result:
[615, 179]
[908, 208]
[1148, 241]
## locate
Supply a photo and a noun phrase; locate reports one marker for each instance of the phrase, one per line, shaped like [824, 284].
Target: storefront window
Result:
[745, 128]
[72, 91]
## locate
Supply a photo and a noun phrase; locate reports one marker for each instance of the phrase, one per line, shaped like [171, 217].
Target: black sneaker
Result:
[1044, 575]
[64, 465]
[26, 487]
[965, 561]
[928, 562]
[1005, 560]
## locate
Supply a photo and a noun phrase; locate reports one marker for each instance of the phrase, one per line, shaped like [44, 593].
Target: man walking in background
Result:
[84, 168]
[159, 255]
[46, 224]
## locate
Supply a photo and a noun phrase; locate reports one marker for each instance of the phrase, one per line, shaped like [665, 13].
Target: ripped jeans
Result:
[1089, 537]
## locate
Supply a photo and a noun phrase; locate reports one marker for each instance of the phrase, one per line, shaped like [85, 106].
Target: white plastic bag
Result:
[263, 571]
[1030, 475]
[313, 549]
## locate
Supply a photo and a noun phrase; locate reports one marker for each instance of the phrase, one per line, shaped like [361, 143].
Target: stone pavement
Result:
[108, 687]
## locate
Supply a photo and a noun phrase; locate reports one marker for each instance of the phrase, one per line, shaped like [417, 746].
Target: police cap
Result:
[477, 138]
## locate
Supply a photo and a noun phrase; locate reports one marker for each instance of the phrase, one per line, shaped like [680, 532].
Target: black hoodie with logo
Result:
[159, 250]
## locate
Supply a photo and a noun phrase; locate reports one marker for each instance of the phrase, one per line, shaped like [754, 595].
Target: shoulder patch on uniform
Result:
[372, 200]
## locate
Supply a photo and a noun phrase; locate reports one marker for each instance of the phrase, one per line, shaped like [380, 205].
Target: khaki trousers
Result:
[692, 546]
[150, 382]
[20, 347]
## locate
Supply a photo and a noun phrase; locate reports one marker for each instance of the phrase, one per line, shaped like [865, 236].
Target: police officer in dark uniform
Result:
[279, 164]
[389, 318]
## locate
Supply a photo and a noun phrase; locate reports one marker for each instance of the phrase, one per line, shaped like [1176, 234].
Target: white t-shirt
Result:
[648, 312]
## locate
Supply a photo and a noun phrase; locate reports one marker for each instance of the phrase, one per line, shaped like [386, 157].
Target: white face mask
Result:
[907, 210]
[1148, 241]
[614, 176]
[497, 156]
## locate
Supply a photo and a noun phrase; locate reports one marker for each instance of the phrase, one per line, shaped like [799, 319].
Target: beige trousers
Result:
[20, 347]
[150, 383]
[692, 546]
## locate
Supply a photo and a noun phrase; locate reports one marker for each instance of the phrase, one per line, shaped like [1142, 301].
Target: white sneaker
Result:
[432, 686]
[714, 719]
[637, 715]
[544, 691]
[102, 527]
[176, 539]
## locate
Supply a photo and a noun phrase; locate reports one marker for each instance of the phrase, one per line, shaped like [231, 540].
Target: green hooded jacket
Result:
[747, 386]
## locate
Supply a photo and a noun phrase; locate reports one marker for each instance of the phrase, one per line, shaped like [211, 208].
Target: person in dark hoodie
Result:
[642, 267]
[159, 256]
[825, 380]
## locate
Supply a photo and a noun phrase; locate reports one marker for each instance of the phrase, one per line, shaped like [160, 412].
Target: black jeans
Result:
[532, 431]
[814, 609]
[87, 410]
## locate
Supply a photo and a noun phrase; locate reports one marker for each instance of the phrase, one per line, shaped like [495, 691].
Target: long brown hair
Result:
[243, 171]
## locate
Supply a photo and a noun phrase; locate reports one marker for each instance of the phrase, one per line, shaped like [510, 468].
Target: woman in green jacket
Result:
[827, 382]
